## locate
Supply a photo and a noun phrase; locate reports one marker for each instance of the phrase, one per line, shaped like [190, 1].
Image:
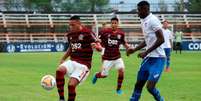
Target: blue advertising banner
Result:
[191, 45]
[61, 46]
[35, 47]
[186, 45]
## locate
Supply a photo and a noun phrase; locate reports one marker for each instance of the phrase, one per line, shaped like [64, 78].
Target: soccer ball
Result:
[48, 82]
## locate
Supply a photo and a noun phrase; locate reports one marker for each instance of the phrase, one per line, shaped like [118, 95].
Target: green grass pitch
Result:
[20, 75]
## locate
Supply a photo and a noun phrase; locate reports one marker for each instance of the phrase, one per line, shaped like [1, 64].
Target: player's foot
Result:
[132, 99]
[61, 99]
[167, 69]
[162, 99]
[94, 79]
[119, 92]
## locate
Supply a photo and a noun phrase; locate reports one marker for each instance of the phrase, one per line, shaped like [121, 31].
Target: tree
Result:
[83, 5]
[179, 6]
[56, 5]
[75, 6]
[194, 5]
[38, 5]
[95, 4]
[13, 5]
[163, 6]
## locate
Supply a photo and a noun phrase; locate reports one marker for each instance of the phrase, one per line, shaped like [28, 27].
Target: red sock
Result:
[60, 81]
[98, 75]
[119, 82]
[71, 93]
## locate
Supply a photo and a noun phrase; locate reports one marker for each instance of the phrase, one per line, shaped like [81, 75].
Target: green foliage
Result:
[195, 5]
[39, 5]
[67, 5]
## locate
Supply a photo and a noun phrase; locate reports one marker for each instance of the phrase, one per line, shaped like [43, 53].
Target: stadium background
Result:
[34, 28]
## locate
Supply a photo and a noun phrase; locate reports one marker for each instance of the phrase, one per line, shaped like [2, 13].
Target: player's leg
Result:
[155, 92]
[137, 90]
[60, 80]
[167, 52]
[142, 77]
[73, 82]
[180, 47]
[104, 71]
[177, 47]
[78, 75]
[119, 65]
[120, 80]
[155, 71]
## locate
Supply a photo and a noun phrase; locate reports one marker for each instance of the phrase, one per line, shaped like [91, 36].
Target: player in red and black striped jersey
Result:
[81, 43]
[111, 39]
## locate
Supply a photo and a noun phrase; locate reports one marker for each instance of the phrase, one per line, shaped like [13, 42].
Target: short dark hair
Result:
[143, 3]
[115, 18]
[74, 17]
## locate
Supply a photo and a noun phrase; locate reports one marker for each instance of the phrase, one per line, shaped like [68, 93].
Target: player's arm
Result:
[96, 42]
[66, 55]
[126, 45]
[131, 50]
[158, 42]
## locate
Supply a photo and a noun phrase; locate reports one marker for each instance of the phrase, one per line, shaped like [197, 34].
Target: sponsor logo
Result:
[112, 42]
[194, 46]
[156, 75]
[60, 47]
[10, 48]
[81, 37]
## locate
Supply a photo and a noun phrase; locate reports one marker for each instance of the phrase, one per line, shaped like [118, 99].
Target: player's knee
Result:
[121, 71]
[150, 87]
[60, 71]
[104, 76]
[138, 86]
[73, 82]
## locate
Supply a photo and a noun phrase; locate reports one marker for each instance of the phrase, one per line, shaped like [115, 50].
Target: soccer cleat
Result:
[94, 79]
[119, 92]
[132, 99]
[61, 99]
[162, 99]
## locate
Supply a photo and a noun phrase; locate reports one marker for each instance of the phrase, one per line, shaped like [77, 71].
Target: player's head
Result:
[165, 24]
[114, 23]
[143, 9]
[104, 25]
[74, 23]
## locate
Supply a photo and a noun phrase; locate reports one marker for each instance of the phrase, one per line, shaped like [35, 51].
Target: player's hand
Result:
[96, 46]
[93, 45]
[129, 51]
[142, 54]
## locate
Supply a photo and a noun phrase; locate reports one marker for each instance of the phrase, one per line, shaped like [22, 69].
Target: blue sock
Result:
[136, 95]
[156, 94]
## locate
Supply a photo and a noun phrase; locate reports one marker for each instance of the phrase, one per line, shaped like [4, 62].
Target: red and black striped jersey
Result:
[80, 45]
[111, 41]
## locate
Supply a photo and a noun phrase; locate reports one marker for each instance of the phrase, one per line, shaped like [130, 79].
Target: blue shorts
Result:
[151, 69]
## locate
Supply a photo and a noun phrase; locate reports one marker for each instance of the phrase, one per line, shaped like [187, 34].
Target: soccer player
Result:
[178, 39]
[111, 38]
[167, 45]
[81, 43]
[153, 56]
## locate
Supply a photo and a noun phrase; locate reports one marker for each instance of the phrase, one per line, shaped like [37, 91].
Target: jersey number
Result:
[76, 46]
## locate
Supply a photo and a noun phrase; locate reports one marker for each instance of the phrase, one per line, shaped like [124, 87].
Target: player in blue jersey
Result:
[153, 56]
